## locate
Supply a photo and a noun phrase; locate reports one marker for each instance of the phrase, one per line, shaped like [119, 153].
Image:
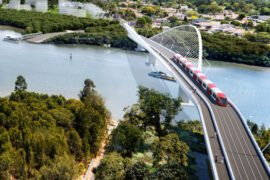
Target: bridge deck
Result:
[242, 155]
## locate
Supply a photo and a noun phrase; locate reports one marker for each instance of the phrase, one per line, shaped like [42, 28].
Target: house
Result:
[184, 8]
[260, 18]
[205, 24]
[180, 16]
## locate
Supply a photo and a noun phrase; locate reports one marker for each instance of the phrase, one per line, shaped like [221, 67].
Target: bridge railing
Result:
[261, 156]
[204, 127]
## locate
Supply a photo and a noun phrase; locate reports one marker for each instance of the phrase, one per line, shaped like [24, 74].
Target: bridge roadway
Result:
[242, 155]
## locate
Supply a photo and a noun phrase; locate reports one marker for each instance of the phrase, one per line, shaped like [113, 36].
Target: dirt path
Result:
[90, 176]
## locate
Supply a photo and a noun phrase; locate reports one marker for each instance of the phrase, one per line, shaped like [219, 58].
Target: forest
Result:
[233, 49]
[32, 22]
[145, 145]
[49, 137]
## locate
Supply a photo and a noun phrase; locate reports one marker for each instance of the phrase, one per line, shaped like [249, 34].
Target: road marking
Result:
[229, 146]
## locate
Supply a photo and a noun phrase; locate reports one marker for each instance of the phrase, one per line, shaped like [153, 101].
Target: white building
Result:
[14, 4]
[41, 5]
[71, 8]
[94, 10]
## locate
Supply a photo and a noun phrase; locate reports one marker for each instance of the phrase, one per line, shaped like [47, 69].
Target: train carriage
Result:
[219, 97]
[207, 85]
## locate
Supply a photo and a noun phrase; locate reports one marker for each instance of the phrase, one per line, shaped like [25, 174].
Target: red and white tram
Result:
[208, 86]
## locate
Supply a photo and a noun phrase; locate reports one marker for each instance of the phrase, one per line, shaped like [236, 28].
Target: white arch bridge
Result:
[243, 158]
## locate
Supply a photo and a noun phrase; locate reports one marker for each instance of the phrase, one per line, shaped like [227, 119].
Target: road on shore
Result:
[43, 37]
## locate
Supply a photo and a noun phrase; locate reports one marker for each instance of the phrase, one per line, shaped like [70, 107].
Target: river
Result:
[117, 74]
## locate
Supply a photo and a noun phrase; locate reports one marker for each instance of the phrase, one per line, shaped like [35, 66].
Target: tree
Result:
[191, 13]
[262, 27]
[138, 171]
[158, 109]
[143, 21]
[112, 166]
[241, 16]
[148, 10]
[126, 138]
[214, 8]
[20, 84]
[174, 21]
[88, 91]
[170, 149]
[171, 171]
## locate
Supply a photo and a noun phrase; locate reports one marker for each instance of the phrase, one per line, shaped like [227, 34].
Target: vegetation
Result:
[126, 139]
[49, 137]
[139, 149]
[233, 49]
[169, 149]
[262, 136]
[112, 166]
[114, 38]
[33, 21]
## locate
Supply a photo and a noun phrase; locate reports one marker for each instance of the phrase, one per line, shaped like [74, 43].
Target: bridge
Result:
[225, 130]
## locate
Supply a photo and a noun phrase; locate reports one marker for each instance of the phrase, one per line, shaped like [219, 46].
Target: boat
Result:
[161, 75]
[12, 38]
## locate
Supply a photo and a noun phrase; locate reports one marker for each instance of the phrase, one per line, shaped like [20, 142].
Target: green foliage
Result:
[171, 171]
[138, 171]
[262, 27]
[112, 166]
[115, 39]
[212, 8]
[262, 136]
[143, 22]
[41, 136]
[126, 138]
[64, 167]
[158, 109]
[33, 21]
[233, 49]
[170, 149]
[20, 83]
[148, 32]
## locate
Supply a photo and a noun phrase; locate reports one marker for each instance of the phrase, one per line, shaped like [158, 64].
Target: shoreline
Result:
[43, 39]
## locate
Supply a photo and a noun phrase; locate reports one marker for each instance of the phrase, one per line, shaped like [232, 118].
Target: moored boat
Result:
[12, 38]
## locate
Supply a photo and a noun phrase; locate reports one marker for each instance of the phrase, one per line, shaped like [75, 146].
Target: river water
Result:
[117, 74]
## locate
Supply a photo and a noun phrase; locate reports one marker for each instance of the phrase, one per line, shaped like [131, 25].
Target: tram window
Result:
[223, 100]
[204, 85]
[195, 77]
[200, 81]
[215, 96]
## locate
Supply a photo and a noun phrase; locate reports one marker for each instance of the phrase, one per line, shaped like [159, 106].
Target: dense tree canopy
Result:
[126, 138]
[233, 49]
[46, 137]
[33, 21]
[158, 109]
[112, 166]
[170, 149]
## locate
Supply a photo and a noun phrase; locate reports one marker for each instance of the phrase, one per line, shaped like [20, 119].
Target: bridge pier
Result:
[139, 48]
[151, 60]
[186, 100]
